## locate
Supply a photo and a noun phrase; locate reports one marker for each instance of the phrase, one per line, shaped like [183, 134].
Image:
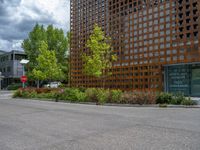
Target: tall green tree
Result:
[56, 41]
[48, 67]
[99, 60]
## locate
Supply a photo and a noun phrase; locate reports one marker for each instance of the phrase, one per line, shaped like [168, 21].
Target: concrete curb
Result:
[111, 104]
[157, 105]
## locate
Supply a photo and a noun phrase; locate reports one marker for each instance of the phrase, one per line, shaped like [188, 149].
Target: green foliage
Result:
[32, 43]
[116, 96]
[164, 98]
[91, 94]
[32, 94]
[177, 99]
[99, 96]
[45, 95]
[102, 96]
[56, 41]
[17, 93]
[188, 102]
[82, 89]
[35, 93]
[47, 68]
[25, 94]
[76, 95]
[72, 94]
[100, 56]
[14, 86]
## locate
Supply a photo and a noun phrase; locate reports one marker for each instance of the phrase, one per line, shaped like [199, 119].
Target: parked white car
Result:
[53, 85]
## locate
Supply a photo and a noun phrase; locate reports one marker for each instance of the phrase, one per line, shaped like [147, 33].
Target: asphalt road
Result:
[36, 125]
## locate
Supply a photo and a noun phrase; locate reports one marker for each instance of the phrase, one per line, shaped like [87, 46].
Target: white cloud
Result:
[4, 44]
[58, 10]
[16, 44]
[19, 16]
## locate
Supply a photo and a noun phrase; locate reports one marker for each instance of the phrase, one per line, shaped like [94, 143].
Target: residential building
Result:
[10, 67]
[157, 43]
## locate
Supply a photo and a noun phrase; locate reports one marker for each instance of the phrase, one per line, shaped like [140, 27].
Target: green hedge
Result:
[175, 99]
[14, 86]
[101, 96]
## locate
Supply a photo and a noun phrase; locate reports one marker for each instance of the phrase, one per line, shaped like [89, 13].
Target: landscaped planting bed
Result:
[102, 96]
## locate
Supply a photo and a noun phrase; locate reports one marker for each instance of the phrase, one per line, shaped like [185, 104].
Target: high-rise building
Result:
[157, 43]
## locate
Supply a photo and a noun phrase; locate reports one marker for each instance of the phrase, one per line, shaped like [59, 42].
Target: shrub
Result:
[145, 97]
[14, 86]
[102, 96]
[62, 85]
[115, 96]
[141, 98]
[177, 99]
[82, 89]
[128, 98]
[33, 94]
[188, 102]
[17, 93]
[46, 95]
[91, 94]
[43, 90]
[152, 97]
[77, 95]
[164, 98]
[71, 94]
[22, 93]
[25, 94]
[81, 96]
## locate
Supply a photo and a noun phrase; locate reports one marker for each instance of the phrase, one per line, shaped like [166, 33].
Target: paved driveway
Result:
[35, 125]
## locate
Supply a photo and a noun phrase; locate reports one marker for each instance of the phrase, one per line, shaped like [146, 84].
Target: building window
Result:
[8, 69]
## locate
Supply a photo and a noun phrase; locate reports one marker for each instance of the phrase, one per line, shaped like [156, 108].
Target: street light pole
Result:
[23, 73]
[23, 62]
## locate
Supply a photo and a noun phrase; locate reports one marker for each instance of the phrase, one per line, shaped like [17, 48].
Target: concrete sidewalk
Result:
[6, 94]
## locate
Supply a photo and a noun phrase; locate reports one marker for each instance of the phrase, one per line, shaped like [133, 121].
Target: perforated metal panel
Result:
[146, 34]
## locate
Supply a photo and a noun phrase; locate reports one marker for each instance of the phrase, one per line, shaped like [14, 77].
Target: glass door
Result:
[195, 83]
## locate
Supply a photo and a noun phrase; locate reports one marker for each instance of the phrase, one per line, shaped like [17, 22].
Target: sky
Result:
[18, 17]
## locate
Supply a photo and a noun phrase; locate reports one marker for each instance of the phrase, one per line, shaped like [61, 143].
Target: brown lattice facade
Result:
[146, 36]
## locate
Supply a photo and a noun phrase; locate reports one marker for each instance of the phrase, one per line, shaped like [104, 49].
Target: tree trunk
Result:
[103, 79]
[103, 86]
[38, 84]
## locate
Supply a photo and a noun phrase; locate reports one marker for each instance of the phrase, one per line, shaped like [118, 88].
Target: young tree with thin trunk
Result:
[98, 61]
[48, 67]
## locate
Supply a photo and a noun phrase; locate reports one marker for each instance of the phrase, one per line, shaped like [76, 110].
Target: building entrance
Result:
[195, 83]
[184, 78]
